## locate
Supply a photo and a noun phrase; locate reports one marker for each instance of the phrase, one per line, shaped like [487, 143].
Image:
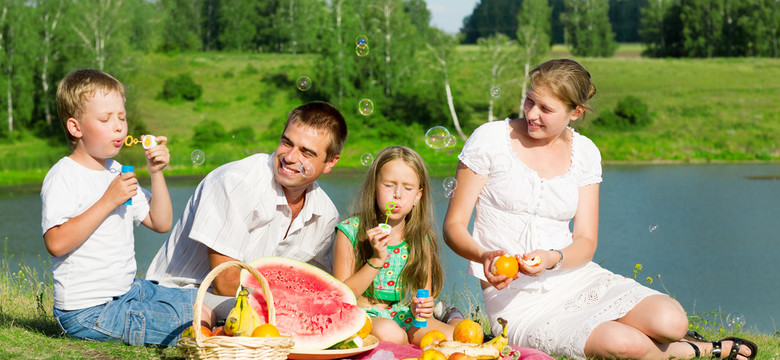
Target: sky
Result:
[448, 14]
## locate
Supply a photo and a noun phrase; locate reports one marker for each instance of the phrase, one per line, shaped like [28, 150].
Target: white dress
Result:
[518, 211]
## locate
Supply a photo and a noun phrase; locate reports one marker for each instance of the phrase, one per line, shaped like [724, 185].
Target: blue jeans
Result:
[147, 314]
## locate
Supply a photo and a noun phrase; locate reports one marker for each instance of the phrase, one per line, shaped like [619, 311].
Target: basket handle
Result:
[198, 306]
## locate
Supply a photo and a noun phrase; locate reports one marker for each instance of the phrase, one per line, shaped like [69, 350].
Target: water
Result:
[708, 230]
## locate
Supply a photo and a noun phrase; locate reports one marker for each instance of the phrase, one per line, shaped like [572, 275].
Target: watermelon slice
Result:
[312, 306]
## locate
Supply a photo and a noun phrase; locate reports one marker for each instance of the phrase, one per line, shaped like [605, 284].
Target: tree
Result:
[588, 30]
[491, 17]
[500, 49]
[18, 44]
[442, 47]
[49, 19]
[533, 37]
[767, 27]
[239, 20]
[182, 25]
[100, 30]
[661, 30]
[702, 27]
[300, 24]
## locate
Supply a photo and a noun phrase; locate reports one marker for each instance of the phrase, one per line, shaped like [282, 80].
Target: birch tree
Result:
[533, 36]
[500, 50]
[443, 50]
[102, 20]
[49, 17]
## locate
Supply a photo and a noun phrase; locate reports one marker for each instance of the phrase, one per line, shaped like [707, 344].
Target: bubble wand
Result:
[384, 226]
[147, 142]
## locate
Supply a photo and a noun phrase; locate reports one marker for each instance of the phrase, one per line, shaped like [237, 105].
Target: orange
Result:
[366, 329]
[265, 330]
[432, 337]
[505, 265]
[432, 354]
[461, 356]
[190, 332]
[536, 260]
[468, 331]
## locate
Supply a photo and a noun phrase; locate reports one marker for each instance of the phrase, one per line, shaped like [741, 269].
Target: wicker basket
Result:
[240, 347]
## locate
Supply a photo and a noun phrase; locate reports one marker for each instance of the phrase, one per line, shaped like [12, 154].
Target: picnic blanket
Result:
[411, 351]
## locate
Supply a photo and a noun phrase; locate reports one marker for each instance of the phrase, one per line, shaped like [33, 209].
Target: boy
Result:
[88, 228]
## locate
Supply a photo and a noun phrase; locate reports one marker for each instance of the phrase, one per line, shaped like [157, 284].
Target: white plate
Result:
[370, 342]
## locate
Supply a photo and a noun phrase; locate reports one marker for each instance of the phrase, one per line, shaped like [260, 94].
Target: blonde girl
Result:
[383, 270]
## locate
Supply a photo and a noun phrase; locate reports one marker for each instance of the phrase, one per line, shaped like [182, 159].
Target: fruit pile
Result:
[242, 320]
[466, 345]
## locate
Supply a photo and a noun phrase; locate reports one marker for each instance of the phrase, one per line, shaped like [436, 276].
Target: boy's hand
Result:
[123, 187]
[158, 157]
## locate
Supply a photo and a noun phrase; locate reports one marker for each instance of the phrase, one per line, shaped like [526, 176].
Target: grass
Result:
[705, 110]
[28, 330]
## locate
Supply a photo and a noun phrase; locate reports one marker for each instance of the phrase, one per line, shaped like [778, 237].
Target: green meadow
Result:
[704, 110]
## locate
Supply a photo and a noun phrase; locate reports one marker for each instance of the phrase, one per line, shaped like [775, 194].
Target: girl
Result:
[385, 269]
[528, 178]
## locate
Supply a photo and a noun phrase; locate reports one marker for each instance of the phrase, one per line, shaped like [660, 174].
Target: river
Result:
[709, 231]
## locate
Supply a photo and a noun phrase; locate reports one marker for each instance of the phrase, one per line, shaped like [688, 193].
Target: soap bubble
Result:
[198, 157]
[495, 91]
[361, 40]
[366, 159]
[652, 228]
[303, 83]
[361, 50]
[451, 141]
[306, 169]
[366, 107]
[735, 320]
[438, 137]
[449, 184]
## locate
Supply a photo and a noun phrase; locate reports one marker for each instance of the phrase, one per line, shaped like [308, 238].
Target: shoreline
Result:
[436, 170]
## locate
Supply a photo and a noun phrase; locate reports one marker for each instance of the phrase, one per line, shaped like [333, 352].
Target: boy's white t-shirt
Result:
[103, 266]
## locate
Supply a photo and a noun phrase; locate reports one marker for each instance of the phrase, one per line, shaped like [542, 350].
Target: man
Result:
[262, 205]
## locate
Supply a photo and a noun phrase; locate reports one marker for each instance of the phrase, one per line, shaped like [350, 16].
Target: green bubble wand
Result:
[384, 226]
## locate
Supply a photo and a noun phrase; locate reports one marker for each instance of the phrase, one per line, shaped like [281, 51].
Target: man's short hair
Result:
[76, 89]
[322, 116]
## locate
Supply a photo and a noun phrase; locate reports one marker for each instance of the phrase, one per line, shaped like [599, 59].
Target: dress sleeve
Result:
[590, 163]
[475, 152]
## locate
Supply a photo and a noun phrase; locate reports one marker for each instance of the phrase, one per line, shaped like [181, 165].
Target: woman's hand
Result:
[422, 307]
[537, 269]
[378, 240]
[498, 281]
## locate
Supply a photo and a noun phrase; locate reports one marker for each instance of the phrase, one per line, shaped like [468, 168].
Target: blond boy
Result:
[88, 228]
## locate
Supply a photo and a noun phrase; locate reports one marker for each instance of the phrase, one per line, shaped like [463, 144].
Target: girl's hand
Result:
[378, 240]
[422, 308]
[536, 270]
[158, 156]
[498, 281]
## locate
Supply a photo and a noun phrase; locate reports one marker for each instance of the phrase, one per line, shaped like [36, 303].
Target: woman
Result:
[528, 178]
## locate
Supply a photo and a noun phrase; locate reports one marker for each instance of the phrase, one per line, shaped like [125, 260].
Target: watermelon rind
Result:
[311, 305]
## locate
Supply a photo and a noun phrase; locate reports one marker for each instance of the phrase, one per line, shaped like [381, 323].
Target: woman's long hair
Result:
[418, 231]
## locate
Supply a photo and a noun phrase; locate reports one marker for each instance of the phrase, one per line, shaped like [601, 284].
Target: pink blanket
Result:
[411, 351]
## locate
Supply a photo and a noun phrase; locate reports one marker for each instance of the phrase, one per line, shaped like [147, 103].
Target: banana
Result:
[242, 319]
[501, 340]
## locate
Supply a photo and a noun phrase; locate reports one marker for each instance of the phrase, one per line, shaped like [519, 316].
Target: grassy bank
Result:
[28, 330]
[705, 110]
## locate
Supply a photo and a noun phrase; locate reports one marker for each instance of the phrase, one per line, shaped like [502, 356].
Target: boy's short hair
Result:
[76, 89]
[322, 116]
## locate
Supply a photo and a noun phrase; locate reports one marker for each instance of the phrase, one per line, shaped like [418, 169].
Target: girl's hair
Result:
[567, 80]
[423, 246]
[76, 89]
